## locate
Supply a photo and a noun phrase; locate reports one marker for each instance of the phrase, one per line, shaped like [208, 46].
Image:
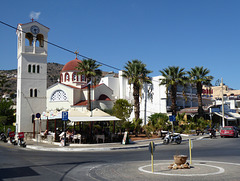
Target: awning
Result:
[85, 119]
[229, 118]
[235, 115]
[94, 115]
[76, 115]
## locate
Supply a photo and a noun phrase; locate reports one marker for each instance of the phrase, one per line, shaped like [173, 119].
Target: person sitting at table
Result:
[69, 135]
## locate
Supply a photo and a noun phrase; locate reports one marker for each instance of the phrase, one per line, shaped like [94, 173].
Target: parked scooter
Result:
[21, 141]
[3, 137]
[12, 138]
[175, 137]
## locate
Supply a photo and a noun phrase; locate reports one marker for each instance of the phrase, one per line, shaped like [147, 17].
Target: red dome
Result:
[70, 66]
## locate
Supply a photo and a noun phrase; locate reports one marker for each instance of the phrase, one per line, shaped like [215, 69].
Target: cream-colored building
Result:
[71, 91]
[31, 73]
[216, 91]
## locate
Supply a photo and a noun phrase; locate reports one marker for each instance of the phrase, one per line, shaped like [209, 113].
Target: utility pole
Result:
[223, 122]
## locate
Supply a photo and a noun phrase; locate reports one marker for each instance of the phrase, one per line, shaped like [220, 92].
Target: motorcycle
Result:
[21, 141]
[212, 133]
[169, 138]
[12, 138]
[3, 137]
[13, 141]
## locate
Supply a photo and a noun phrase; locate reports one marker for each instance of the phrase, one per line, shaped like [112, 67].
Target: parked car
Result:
[229, 131]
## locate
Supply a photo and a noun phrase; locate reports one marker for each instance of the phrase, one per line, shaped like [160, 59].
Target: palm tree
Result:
[198, 76]
[173, 76]
[89, 69]
[137, 74]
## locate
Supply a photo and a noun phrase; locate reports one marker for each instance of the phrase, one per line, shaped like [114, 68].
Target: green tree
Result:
[198, 76]
[89, 68]
[6, 112]
[122, 109]
[158, 120]
[137, 74]
[173, 76]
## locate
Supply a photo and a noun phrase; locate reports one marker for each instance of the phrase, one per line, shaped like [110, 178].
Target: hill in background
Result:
[53, 74]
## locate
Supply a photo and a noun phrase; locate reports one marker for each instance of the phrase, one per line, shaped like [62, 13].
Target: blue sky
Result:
[160, 33]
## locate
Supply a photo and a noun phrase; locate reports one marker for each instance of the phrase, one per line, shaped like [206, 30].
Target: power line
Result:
[60, 47]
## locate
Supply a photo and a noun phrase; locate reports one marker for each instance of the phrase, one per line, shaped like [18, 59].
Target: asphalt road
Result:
[213, 159]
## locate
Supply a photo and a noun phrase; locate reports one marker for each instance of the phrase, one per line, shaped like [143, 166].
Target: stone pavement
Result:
[55, 146]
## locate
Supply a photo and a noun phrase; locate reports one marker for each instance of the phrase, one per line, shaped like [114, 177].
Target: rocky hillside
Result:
[53, 74]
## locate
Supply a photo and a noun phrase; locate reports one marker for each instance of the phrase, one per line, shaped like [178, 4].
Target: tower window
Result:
[29, 37]
[31, 93]
[29, 68]
[38, 69]
[35, 92]
[34, 68]
[40, 40]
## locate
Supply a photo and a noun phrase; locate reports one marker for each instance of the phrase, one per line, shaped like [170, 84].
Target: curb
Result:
[71, 149]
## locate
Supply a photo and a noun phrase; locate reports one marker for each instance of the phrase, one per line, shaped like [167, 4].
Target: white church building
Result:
[70, 92]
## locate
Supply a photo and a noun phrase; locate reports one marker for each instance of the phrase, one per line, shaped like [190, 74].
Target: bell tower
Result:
[31, 73]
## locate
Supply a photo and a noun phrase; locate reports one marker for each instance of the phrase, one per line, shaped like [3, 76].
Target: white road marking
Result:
[220, 170]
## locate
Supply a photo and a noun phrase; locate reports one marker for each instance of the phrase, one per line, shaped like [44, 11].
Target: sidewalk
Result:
[55, 146]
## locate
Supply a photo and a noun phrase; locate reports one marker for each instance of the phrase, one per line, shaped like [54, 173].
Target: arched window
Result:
[35, 92]
[34, 68]
[38, 69]
[40, 40]
[29, 37]
[66, 77]
[58, 95]
[29, 68]
[74, 77]
[31, 92]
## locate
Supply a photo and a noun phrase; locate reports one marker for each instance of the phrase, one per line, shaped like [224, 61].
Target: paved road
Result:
[213, 159]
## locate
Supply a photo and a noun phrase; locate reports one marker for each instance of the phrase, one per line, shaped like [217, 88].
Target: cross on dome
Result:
[76, 52]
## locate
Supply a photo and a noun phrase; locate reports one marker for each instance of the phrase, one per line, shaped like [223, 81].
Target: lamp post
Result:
[223, 122]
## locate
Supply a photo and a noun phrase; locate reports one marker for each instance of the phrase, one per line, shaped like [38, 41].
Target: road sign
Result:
[151, 147]
[64, 115]
[172, 118]
[38, 115]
